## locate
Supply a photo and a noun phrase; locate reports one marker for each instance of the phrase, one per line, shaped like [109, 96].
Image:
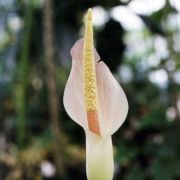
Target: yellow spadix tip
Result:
[89, 14]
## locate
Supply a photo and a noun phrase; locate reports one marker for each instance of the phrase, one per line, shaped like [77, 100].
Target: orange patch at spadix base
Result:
[93, 122]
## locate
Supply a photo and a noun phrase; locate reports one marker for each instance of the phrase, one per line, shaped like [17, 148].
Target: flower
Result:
[94, 99]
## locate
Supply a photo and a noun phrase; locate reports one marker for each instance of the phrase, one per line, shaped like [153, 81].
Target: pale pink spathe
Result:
[112, 102]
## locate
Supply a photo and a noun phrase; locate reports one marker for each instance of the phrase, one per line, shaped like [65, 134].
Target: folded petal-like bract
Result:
[95, 100]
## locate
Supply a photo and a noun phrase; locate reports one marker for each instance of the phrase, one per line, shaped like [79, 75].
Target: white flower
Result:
[94, 99]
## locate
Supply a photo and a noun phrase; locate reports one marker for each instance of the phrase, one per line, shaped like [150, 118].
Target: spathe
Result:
[112, 102]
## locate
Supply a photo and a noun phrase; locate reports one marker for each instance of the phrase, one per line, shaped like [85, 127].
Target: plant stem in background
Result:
[23, 77]
[52, 86]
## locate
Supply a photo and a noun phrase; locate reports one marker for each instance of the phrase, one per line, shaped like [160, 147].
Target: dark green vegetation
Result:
[145, 60]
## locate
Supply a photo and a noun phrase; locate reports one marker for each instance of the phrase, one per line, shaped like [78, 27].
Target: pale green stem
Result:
[99, 157]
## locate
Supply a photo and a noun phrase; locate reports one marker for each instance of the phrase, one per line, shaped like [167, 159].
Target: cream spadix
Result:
[94, 99]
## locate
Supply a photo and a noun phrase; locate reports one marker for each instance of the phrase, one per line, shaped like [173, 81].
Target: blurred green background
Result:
[140, 42]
